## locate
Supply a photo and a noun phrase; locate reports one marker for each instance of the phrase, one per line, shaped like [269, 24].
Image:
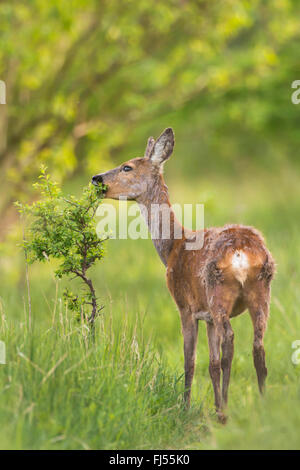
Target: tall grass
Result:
[60, 389]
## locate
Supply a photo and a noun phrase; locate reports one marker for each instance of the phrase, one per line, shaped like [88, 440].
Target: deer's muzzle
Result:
[97, 179]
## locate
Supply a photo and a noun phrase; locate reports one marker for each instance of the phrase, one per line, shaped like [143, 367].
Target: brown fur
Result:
[203, 282]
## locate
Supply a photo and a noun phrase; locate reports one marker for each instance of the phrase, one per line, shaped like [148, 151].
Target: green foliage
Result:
[75, 302]
[64, 229]
[101, 76]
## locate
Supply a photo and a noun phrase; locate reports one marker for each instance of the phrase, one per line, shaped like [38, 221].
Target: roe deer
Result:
[232, 271]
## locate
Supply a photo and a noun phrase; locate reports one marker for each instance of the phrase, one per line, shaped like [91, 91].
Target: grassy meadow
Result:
[61, 390]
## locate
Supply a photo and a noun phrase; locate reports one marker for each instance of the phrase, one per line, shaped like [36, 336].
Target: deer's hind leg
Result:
[214, 363]
[227, 356]
[258, 300]
[222, 298]
[220, 333]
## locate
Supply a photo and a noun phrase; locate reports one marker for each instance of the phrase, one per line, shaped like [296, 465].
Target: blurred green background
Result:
[87, 83]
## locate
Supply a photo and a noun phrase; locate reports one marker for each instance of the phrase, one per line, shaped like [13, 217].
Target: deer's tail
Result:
[240, 265]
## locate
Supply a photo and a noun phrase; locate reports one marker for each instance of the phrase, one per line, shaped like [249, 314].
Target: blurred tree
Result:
[83, 76]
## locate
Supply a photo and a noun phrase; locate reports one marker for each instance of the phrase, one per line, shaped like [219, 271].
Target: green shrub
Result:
[63, 228]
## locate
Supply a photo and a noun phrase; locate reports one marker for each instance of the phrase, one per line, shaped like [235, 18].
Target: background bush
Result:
[88, 82]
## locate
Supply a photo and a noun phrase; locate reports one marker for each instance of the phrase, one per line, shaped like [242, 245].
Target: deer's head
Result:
[136, 177]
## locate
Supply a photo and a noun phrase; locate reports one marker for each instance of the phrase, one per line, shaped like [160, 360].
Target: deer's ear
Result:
[150, 143]
[162, 147]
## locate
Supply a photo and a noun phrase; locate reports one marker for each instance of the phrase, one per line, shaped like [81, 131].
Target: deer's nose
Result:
[97, 179]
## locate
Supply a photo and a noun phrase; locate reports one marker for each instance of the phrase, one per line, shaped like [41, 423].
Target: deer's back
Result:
[231, 255]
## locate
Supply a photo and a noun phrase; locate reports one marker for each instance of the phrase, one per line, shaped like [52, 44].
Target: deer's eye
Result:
[127, 168]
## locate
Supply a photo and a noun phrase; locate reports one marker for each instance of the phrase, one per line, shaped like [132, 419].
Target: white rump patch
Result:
[240, 266]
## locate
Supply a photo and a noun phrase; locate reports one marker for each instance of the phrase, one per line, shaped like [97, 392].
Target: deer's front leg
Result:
[190, 336]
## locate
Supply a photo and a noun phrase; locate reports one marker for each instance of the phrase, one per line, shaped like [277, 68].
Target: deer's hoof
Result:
[222, 418]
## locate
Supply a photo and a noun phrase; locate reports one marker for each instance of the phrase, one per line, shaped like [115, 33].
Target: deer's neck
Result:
[160, 218]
